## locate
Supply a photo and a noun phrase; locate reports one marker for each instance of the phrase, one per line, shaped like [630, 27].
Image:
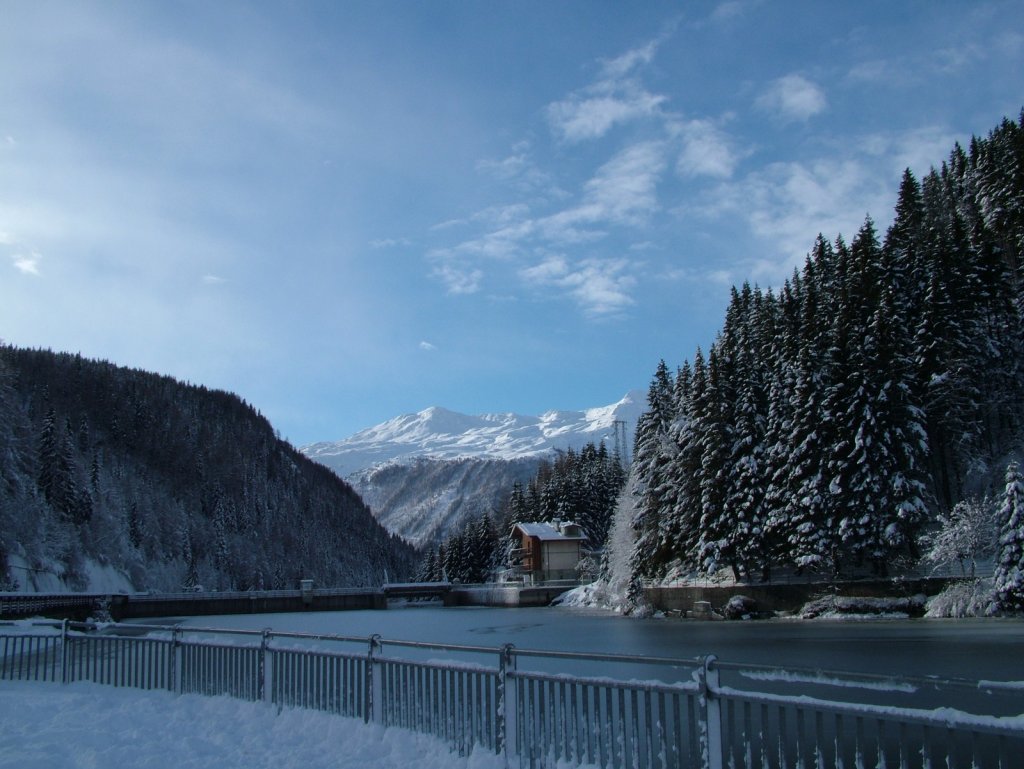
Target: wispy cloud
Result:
[600, 287]
[427, 346]
[793, 97]
[459, 279]
[27, 264]
[616, 97]
[213, 280]
[520, 171]
[706, 150]
[731, 9]
[622, 192]
[787, 204]
[379, 243]
[579, 118]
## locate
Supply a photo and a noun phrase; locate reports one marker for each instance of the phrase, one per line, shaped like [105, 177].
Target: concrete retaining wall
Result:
[123, 607]
[503, 595]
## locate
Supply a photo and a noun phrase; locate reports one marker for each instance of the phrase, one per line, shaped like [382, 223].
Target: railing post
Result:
[710, 714]
[64, 652]
[175, 659]
[506, 696]
[266, 671]
[374, 684]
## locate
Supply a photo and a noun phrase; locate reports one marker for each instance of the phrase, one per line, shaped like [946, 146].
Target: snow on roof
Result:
[544, 531]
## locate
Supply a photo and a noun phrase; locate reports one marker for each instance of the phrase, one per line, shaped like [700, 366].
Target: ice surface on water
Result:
[975, 649]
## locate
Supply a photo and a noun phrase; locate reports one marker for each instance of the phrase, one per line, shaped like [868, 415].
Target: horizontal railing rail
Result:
[555, 712]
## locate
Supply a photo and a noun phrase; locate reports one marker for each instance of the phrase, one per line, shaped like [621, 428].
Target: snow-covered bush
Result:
[966, 598]
[834, 606]
[740, 607]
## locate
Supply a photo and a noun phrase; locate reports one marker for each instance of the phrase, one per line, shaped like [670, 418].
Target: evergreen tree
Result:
[717, 544]
[651, 454]
[832, 420]
[1009, 573]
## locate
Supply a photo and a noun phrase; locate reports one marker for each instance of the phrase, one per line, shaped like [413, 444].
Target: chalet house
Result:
[547, 551]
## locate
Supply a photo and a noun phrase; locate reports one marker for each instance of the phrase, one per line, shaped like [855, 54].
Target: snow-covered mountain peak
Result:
[440, 433]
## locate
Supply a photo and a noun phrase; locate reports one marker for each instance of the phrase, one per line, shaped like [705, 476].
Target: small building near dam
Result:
[547, 551]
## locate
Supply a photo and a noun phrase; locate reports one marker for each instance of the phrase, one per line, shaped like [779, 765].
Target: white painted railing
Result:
[486, 699]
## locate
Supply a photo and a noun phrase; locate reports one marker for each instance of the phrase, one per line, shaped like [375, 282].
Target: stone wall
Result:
[786, 597]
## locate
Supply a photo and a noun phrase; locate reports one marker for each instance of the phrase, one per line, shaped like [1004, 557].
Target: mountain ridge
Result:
[424, 474]
[440, 433]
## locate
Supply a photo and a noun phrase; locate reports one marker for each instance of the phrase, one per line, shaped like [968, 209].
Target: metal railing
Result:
[541, 708]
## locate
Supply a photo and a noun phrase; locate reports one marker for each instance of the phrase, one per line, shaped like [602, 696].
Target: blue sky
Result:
[346, 211]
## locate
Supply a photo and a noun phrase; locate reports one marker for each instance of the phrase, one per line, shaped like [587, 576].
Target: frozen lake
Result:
[981, 649]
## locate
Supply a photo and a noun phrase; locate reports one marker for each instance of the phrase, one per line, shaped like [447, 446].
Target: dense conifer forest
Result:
[836, 417]
[579, 486]
[174, 485]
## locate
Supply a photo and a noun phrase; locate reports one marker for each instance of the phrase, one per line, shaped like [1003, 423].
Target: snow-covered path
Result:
[88, 726]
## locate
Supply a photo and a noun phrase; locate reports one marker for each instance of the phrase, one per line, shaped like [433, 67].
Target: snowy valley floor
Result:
[88, 726]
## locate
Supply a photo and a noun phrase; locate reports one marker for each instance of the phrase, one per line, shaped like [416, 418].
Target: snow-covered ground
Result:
[43, 726]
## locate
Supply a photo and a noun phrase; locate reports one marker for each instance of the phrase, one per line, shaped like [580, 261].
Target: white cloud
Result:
[706, 151]
[721, 277]
[27, 264]
[875, 71]
[578, 118]
[615, 98]
[502, 216]
[427, 346]
[793, 97]
[213, 280]
[519, 171]
[459, 279]
[731, 9]
[389, 243]
[550, 270]
[503, 243]
[621, 66]
[507, 168]
[787, 204]
[623, 191]
[918, 149]
[599, 287]
[447, 224]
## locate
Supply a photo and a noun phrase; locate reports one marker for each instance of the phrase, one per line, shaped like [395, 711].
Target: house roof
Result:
[544, 532]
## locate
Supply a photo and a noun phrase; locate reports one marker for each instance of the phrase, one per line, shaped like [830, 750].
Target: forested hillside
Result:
[834, 419]
[579, 486]
[428, 499]
[172, 484]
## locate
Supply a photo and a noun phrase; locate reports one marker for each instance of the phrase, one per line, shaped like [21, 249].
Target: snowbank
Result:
[855, 607]
[592, 596]
[88, 725]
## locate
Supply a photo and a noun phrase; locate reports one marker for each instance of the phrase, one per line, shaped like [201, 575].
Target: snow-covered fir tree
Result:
[1009, 573]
